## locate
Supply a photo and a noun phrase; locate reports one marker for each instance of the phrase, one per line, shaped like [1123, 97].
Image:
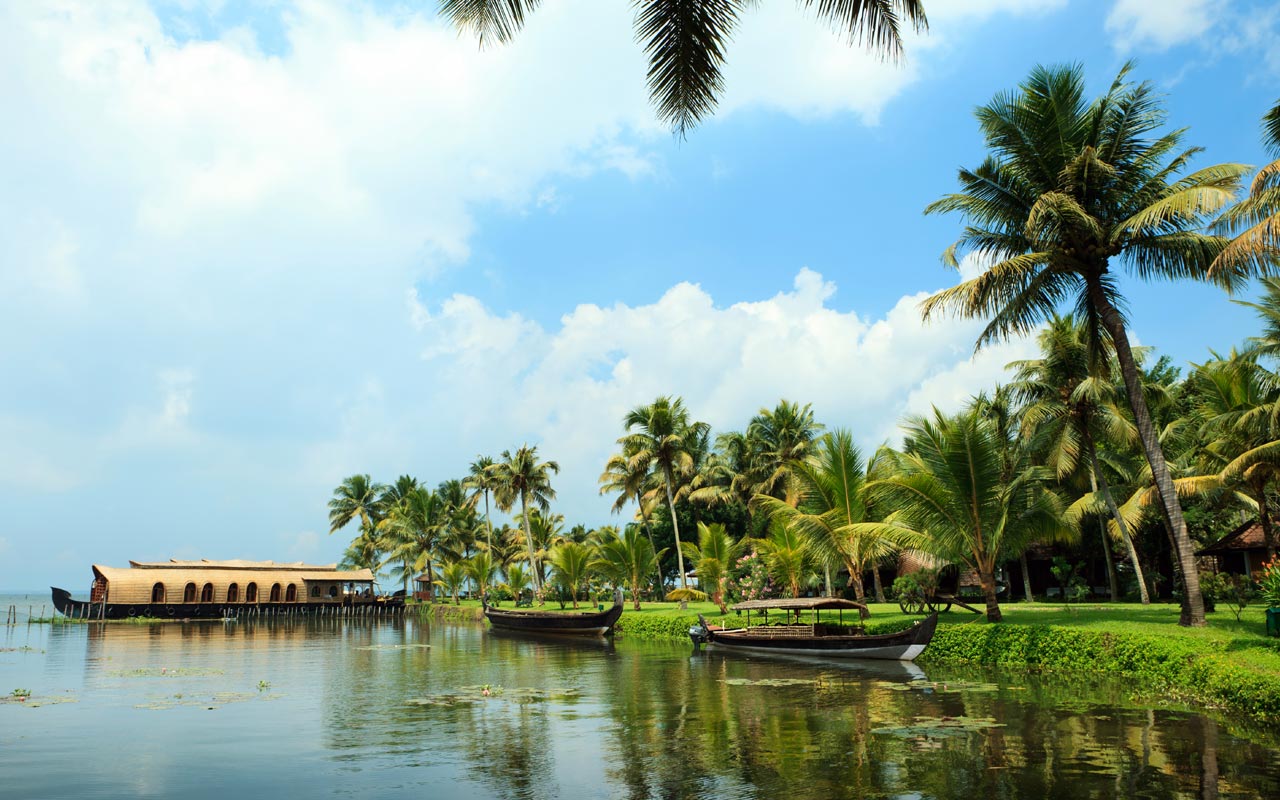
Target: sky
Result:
[249, 249]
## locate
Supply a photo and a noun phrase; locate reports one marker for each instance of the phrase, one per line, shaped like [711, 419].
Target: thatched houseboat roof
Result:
[135, 584]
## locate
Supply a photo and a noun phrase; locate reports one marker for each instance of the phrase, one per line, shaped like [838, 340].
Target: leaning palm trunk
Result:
[657, 563]
[1105, 490]
[875, 577]
[1193, 602]
[1112, 584]
[675, 529]
[855, 576]
[535, 572]
[1026, 576]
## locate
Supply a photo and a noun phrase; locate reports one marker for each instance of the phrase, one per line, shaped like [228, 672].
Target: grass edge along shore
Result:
[1229, 665]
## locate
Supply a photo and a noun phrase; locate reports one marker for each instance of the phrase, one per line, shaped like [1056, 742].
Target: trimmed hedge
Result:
[1157, 664]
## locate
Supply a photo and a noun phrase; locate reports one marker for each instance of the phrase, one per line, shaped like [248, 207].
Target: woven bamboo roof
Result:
[237, 563]
[801, 603]
[134, 584]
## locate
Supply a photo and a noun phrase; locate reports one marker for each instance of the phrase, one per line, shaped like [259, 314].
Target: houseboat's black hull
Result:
[902, 646]
[598, 623]
[83, 609]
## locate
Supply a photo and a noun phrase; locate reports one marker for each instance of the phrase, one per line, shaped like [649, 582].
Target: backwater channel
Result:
[332, 708]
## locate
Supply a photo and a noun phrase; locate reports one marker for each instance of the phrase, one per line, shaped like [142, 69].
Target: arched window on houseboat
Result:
[315, 590]
[291, 594]
[251, 593]
[189, 593]
[233, 593]
[206, 594]
[275, 593]
[157, 593]
[333, 591]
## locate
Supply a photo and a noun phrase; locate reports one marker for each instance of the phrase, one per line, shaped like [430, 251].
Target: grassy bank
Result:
[1229, 664]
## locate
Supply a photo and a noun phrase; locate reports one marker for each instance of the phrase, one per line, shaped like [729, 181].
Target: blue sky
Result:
[250, 249]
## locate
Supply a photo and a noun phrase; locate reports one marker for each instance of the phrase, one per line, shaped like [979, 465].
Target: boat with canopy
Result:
[790, 634]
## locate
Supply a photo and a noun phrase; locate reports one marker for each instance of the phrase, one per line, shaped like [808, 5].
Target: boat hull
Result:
[902, 646]
[548, 622]
[82, 609]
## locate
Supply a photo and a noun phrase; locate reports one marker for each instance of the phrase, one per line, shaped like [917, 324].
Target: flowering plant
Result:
[1269, 583]
[752, 582]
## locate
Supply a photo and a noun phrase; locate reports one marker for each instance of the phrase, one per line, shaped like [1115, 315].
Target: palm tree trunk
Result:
[1112, 584]
[855, 575]
[1105, 488]
[1264, 519]
[1026, 576]
[826, 580]
[644, 521]
[1193, 601]
[675, 528]
[986, 576]
[528, 540]
[875, 577]
[488, 522]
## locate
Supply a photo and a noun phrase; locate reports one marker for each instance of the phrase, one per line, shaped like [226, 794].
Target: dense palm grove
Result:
[1095, 451]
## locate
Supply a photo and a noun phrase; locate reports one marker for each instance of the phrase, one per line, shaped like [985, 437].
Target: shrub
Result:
[1269, 583]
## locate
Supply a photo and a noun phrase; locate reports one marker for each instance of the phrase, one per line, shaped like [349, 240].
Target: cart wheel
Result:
[940, 606]
[911, 605]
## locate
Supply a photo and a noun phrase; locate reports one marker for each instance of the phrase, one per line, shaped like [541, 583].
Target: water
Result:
[176, 710]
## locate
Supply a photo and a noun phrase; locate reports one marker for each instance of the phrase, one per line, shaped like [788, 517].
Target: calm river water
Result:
[398, 709]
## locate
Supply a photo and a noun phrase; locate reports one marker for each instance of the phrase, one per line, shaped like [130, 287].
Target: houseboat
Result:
[220, 589]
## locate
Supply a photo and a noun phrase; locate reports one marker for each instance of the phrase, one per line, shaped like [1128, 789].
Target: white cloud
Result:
[1143, 24]
[510, 380]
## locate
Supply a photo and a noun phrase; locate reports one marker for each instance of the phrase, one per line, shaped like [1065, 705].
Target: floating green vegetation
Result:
[939, 687]
[26, 698]
[164, 672]
[939, 727]
[264, 685]
[466, 695]
[770, 682]
[206, 701]
[23, 649]
[395, 647]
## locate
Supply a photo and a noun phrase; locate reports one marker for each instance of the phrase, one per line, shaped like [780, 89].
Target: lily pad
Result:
[164, 672]
[939, 687]
[466, 695]
[35, 701]
[395, 647]
[216, 700]
[939, 727]
[770, 682]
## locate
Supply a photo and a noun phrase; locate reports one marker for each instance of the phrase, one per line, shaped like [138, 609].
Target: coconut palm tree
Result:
[517, 579]
[571, 565]
[951, 494]
[520, 478]
[362, 553]
[686, 39]
[776, 439]
[412, 532]
[627, 559]
[1234, 399]
[1255, 221]
[658, 441]
[1070, 191]
[453, 577]
[786, 557]
[479, 483]
[1069, 403]
[713, 558]
[629, 479]
[480, 570]
[831, 508]
[357, 497]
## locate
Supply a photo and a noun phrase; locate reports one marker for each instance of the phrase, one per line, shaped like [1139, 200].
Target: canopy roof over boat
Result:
[798, 604]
